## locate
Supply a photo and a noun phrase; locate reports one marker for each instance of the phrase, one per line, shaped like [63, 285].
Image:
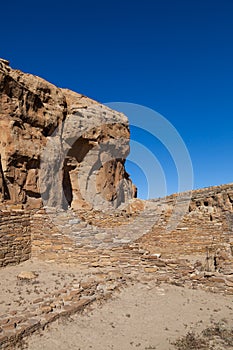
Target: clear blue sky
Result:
[174, 56]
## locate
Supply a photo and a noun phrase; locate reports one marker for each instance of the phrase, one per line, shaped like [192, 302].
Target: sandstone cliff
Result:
[59, 148]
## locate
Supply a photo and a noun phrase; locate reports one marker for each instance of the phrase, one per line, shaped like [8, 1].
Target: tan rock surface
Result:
[60, 144]
[26, 275]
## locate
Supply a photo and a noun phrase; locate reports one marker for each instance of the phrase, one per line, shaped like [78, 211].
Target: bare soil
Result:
[142, 316]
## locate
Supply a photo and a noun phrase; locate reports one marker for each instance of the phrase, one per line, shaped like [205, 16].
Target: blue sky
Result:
[175, 57]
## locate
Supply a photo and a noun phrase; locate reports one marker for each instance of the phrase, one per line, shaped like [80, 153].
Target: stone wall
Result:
[15, 237]
[48, 242]
[79, 237]
[69, 237]
[218, 197]
[206, 227]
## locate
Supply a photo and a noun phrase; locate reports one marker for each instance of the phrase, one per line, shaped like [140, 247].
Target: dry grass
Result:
[210, 339]
[191, 341]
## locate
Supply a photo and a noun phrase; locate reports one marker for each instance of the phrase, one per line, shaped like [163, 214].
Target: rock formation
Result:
[59, 148]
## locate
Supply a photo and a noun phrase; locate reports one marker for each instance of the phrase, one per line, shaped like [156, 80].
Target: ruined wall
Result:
[210, 200]
[15, 237]
[62, 237]
[48, 242]
[53, 234]
[213, 199]
[207, 224]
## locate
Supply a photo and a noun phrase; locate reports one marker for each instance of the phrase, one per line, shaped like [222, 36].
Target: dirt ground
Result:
[141, 316]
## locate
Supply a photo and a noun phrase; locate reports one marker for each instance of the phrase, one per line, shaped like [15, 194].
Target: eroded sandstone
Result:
[71, 150]
[60, 145]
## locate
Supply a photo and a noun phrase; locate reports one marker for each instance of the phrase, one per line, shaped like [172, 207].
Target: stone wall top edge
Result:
[196, 193]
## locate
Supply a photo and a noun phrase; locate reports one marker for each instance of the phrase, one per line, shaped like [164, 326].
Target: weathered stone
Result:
[50, 141]
[26, 275]
[46, 309]
[38, 300]
[150, 269]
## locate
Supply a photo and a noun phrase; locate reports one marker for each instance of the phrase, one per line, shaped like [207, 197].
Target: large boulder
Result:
[59, 148]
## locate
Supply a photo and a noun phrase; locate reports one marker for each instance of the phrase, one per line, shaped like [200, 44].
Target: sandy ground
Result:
[142, 316]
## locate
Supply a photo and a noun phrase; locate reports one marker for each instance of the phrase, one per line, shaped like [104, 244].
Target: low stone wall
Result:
[48, 242]
[55, 235]
[220, 197]
[15, 237]
[205, 229]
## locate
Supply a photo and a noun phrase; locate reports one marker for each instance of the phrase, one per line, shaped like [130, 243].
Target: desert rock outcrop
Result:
[59, 146]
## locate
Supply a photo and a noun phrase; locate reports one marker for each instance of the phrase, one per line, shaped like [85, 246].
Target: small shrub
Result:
[219, 330]
[191, 341]
[217, 334]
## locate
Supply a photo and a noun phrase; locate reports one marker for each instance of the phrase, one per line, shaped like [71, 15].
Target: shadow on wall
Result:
[70, 183]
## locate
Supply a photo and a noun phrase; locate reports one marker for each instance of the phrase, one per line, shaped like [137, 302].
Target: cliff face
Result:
[59, 148]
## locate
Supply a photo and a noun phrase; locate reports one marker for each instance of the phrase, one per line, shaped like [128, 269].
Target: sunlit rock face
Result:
[59, 148]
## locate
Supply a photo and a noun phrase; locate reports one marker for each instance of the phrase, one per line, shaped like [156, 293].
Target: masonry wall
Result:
[15, 237]
[208, 224]
[48, 242]
[57, 237]
[220, 197]
[52, 237]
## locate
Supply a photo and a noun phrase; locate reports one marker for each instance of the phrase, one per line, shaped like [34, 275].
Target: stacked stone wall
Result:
[62, 236]
[48, 241]
[15, 237]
